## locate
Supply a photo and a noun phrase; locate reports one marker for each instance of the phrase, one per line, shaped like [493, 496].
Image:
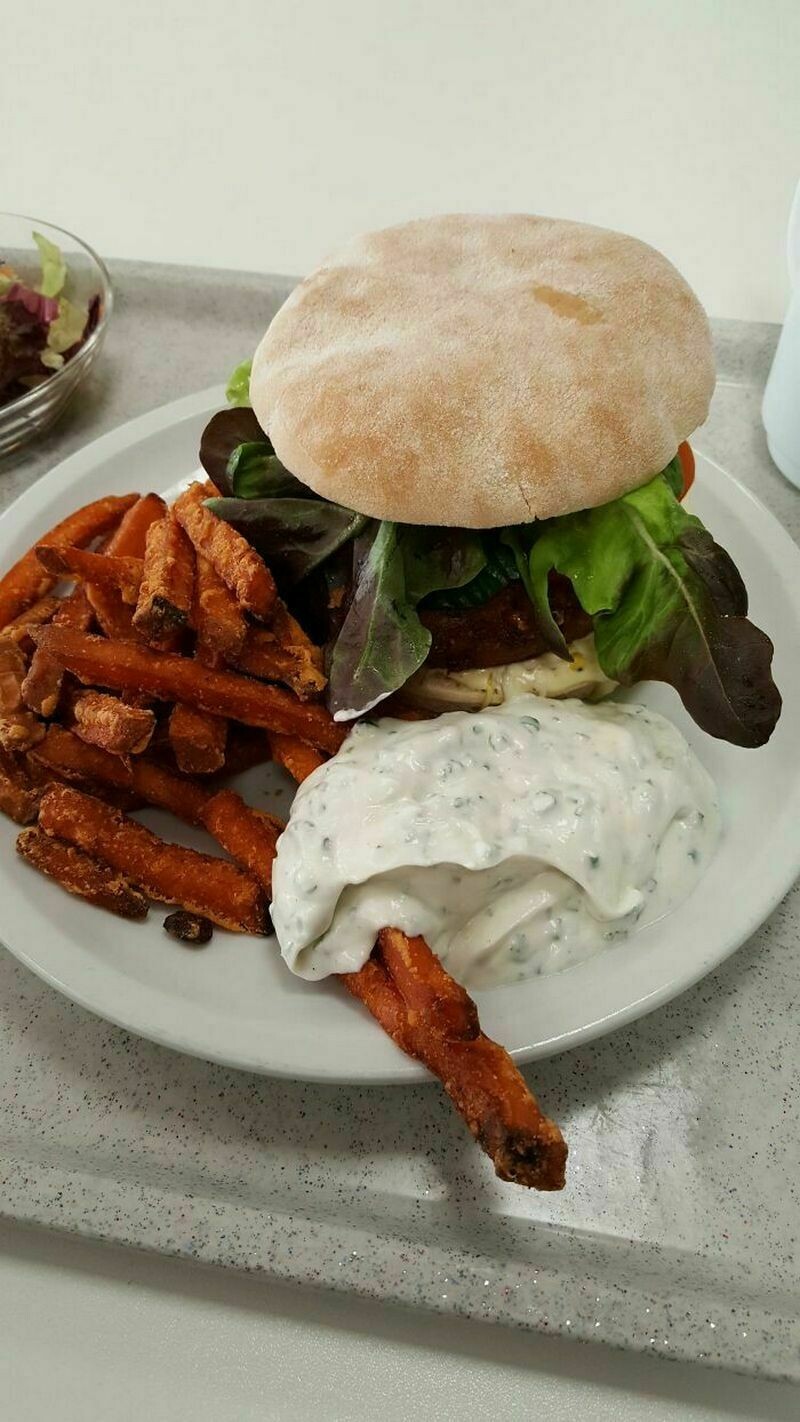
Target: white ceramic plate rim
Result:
[382, 1063]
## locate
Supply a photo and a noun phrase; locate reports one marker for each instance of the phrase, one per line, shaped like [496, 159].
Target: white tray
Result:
[674, 1234]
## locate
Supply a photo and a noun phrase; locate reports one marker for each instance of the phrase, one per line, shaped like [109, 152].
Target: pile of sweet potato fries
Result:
[169, 663]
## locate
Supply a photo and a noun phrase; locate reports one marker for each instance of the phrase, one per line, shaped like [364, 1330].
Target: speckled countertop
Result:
[678, 1231]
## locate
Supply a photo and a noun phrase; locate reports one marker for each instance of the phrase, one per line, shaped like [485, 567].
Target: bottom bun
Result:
[435, 689]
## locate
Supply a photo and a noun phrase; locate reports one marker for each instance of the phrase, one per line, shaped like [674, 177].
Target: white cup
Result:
[780, 409]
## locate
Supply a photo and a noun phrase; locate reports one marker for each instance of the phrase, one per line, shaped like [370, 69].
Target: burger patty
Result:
[504, 629]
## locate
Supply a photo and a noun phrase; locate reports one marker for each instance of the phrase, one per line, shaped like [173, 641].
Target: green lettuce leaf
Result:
[54, 268]
[668, 605]
[435, 558]
[382, 641]
[498, 570]
[237, 391]
[255, 472]
[674, 476]
[67, 329]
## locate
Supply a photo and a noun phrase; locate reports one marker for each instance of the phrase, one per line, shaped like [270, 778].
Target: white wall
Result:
[256, 134]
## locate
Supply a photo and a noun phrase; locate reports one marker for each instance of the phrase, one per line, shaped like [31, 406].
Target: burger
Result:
[462, 447]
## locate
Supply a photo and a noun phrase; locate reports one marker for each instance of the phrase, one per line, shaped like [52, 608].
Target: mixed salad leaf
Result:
[237, 392]
[668, 605]
[294, 535]
[222, 436]
[667, 602]
[40, 327]
[395, 566]
[54, 268]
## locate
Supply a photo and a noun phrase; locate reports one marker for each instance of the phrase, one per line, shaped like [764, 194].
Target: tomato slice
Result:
[687, 465]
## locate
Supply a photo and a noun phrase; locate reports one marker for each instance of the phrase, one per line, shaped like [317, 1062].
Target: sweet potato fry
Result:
[198, 740]
[129, 667]
[128, 541]
[428, 991]
[294, 755]
[43, 777]
[284, 652]
[82, 875]
[103, 570]
[178, 794]
[477, 1074]
[188, 928]
[267, 656]
[19, 730]
[166, 872]
[112, 615]
[113, 725]
[41, 688]
[290, 634]
[249, 835]
[13, 668]
[165, 596]
[130, 537]
[28, 581]
[373, 986]
[218, 619]
[19, 797]
[244, 570]
[40, 612]
[62, 754]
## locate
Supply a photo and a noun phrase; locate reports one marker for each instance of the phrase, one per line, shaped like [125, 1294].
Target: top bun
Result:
[481, 371]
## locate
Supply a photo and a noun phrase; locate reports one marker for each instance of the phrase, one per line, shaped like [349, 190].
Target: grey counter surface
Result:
[678, 1232]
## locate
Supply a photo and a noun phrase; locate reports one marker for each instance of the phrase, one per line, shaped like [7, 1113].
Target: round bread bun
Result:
[481, 371]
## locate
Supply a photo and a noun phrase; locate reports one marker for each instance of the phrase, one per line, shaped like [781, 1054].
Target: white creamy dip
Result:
[518, 840]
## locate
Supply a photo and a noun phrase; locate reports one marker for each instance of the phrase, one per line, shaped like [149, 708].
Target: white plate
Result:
[234, 1002]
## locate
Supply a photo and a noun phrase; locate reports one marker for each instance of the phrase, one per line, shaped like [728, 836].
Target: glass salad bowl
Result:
[55, 305]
